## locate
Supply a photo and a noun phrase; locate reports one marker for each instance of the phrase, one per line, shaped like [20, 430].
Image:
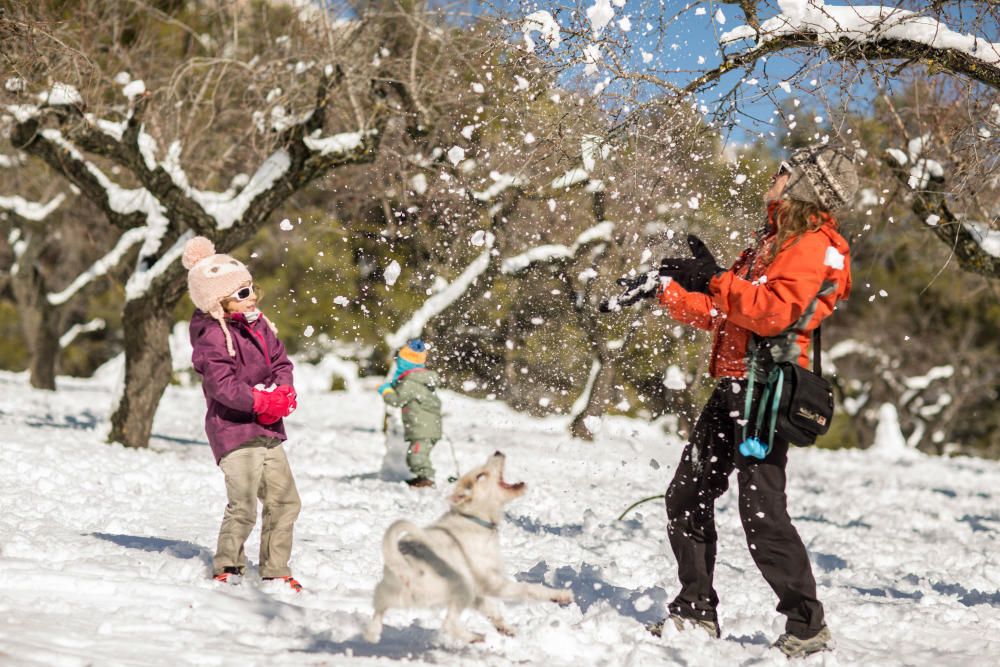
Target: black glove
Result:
[642, 286]
[693, 274]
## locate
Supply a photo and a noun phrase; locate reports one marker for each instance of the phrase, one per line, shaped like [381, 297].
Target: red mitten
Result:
[270, 406]
[289, 392]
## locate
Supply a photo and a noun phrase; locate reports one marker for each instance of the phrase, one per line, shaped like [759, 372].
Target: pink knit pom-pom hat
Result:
[211, 279]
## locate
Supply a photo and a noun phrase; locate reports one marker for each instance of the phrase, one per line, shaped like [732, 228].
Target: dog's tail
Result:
[390, 543]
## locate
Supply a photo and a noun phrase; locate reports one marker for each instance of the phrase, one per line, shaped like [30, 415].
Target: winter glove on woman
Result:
[384, 387]
[642, 286]
[693, 274]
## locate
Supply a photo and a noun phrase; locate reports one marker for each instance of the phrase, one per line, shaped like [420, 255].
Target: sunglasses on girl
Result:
[783, 168]
[242, 294]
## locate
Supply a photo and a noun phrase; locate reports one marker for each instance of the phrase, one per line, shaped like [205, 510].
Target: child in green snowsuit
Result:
[414, 390]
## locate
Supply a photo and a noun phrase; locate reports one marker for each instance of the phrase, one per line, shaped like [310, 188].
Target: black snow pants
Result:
[703, 476]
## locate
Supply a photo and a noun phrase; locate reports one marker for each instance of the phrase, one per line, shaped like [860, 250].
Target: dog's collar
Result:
[475, 519]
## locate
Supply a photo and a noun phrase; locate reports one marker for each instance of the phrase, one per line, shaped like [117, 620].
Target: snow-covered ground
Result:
[105, 552]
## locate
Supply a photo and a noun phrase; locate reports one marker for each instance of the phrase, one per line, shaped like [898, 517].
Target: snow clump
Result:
[593, 423]
[456, 154]
[546, 27]
[392, 273]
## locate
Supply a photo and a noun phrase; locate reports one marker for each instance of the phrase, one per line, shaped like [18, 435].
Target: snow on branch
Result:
[101, 267]
[975, 244]
[874, 31]
[227, 208]
[547, 254]
[77, 329]
[158, 212]
[583, 400]
[34, 211]
[11, 161]
[442, 300]
[501, 182]
[987, 239]
[592, 148]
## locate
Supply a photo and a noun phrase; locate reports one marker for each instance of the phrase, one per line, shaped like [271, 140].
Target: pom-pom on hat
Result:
[415, 352]
[212, 278]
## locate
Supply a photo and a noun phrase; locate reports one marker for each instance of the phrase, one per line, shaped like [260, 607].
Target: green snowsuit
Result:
[416, 394]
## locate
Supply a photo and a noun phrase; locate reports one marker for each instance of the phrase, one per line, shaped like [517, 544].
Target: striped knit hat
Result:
[822, 175]
[415, 352]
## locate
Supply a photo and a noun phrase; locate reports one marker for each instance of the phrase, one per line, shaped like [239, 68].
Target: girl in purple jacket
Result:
[247, 380]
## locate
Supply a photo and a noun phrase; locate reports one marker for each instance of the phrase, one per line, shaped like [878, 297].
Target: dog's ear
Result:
[462, 494]
[460, 497]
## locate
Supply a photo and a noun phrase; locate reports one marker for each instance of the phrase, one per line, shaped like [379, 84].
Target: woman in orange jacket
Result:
[771, 299]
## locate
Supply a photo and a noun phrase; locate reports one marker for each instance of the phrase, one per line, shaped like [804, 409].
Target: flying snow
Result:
[392, 272]
[600, 14]
[673, 378]
[456, 154]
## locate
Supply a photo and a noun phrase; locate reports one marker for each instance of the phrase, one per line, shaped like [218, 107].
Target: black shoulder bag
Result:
[795, 404]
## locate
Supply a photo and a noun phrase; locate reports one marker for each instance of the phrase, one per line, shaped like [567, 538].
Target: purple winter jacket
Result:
[228, 381]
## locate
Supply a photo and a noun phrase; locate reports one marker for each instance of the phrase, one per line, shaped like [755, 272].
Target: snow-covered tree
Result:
[747, 65]
[113, 154]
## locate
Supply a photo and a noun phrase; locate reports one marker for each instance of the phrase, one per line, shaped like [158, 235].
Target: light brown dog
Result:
[455, 562]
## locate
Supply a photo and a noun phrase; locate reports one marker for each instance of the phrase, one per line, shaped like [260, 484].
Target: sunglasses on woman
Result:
[242, 294]
[783, 168]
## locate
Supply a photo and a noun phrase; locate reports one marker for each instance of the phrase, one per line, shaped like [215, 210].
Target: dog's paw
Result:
[562, 597]
[506, 630]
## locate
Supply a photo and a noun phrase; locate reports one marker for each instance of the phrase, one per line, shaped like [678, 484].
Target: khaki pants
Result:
[258, 469]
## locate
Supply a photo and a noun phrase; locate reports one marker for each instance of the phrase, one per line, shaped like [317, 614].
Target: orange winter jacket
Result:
[782, 301]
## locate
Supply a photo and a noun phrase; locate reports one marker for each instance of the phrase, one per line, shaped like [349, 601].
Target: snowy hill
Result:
[105, 553]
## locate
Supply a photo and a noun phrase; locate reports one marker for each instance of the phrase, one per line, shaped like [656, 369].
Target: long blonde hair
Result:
[791, 218]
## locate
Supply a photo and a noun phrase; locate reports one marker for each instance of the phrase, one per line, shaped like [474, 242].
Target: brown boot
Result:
[421, 483]
[682, 624]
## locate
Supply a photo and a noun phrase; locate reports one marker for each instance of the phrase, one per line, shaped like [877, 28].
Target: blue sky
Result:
[692, 36]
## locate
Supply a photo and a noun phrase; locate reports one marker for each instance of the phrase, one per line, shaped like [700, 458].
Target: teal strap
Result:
[772, 393]
[775, 404]
[748, 405]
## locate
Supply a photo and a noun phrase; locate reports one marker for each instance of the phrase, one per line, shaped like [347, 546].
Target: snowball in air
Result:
[392, 272]
[674, 378]
[456, 154]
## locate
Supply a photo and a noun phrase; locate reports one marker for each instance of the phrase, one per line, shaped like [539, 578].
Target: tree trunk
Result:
[45, 351]
[146, 322]
[601, 392]
[39, 321]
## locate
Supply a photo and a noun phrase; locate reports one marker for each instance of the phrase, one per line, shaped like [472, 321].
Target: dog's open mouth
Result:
[511, 487]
